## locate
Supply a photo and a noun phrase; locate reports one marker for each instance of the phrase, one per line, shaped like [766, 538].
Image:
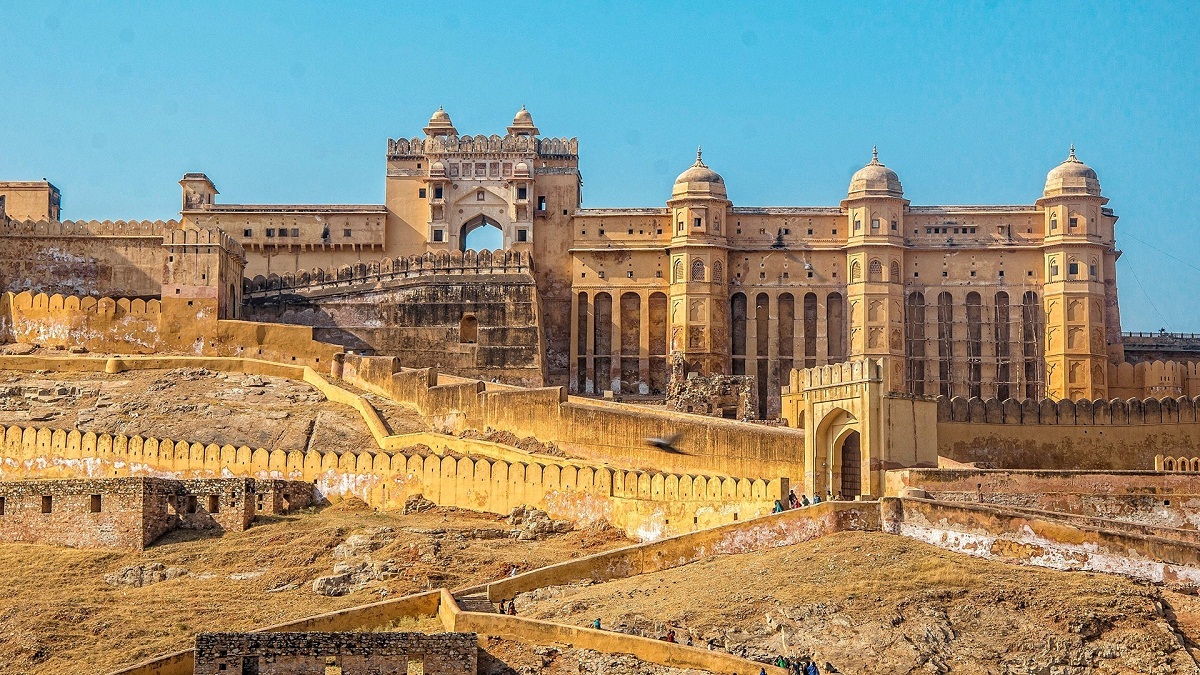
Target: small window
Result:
[660, 230]
[1, 506]
[835, 230]
[438, 191]
[1053, 270]
[1074, 222]
[47, 503]
[270, 232]
[479, 196]
[600, 274]
[602, 232]
[874, 223]
[522, 193]
[1073, 268]
[657, 274]
[631, 230]
[945, 273]
[786, 231]
[916, 275]
[972, 272]
[857, 225]
[190, 504]
[1001, 274]
[1092, 270]
[810, 275]
[522, 235]
[295, 232]
[895, 226]
[629, 274]
[1053, 223]
[421, 193]
[810, 231]
[541, 204]
[283, 231]
[247, 232]
[468, 329]
[94, 507]
[697, 222]
[214, 503]
[346, 232]
[439, 235]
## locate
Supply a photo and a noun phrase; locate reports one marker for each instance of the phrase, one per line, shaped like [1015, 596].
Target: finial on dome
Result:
[1071, 157]
[699, 155]
[874, 154]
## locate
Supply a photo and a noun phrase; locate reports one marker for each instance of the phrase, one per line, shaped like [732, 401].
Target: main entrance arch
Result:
[481, 233]
[851, 466]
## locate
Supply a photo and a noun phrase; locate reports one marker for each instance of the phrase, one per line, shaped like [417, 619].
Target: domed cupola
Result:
[699, 179]
[437, 169]
[523, 124]
[1072, 177]
[440, 124]
[875, 180]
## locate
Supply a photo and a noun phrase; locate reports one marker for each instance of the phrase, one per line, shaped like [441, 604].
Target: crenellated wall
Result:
[597, 430]
[118, 258]
[1157, 379]
[645, 504]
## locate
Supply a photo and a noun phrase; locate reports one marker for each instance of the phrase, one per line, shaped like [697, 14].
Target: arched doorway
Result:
[851, 466]
[481, 234]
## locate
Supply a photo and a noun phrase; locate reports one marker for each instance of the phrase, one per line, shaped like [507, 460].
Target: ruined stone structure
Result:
[1006, 301]
[343, 653]
[131, 513]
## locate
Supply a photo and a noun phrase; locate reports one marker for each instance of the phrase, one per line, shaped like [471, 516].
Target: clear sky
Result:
[293, 102]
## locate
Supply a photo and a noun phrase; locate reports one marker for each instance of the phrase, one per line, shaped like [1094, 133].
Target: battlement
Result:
[112, 307]
[428, 264]
[204, 237]
[87, 228]
[483, 145]
[1153, 411]
[835, 374]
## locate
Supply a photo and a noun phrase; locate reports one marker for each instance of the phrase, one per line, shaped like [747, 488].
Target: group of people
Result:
[794, 503]
[511, 609]
[801, 666]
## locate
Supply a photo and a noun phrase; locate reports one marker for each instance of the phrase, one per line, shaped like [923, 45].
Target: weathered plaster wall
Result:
[122, 258]
[1140, 497]
[1040, 539]
[597, 430]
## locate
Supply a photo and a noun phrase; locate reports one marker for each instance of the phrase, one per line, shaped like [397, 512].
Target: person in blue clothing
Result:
[812, 669]
[778, 507]
[804, 500]
[816, 499]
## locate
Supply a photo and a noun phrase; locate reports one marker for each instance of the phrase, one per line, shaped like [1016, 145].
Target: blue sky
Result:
[293, 102]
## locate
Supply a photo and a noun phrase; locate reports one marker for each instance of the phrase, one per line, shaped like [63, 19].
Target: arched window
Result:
[914, 341]
[945, 324]
[974, 344]
[875, 271]
[718, 273]
[468, 329]
[677, 270]
[1031, 348]
[895, 278]
[697, 270]
[855, 272]
[1003, 336]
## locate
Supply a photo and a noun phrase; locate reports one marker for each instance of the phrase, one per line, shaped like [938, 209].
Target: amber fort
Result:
[954, 375]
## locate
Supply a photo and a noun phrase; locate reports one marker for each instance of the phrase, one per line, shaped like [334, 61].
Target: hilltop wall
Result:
[1099, 435]
[647, 504]
[597, 430]
[75, 257]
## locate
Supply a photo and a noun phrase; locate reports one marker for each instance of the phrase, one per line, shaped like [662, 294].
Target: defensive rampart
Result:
[1099, 435]
[597, 430]
[118, 258]
[1039, 538]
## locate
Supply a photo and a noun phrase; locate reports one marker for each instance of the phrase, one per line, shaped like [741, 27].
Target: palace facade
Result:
[1006, 301]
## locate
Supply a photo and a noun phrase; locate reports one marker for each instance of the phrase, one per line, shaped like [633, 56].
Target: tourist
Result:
[762, 671]
[778, 507]
[812, 669]
[782, 661]
[816, 499]
[670, 636]
[804, 500]
[502, 606]
[512, 607]
[792, 501]
[596, 624]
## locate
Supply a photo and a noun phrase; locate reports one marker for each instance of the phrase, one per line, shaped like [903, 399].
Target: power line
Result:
[1153, 247]
[1166, 323]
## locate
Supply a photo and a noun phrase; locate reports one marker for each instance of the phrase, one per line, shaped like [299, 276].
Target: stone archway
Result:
[474, 225]
[829, 436]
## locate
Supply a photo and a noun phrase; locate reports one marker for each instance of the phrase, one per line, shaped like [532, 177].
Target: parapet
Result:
[1066, 412]
[86, 228]
[482, 145]
[428, 264]
[204, 237]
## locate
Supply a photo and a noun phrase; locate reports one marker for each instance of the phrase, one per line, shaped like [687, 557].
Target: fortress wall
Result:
[1140, 497]
[1093, 435]
[1013, 536]
[124, 325]
[99, 324]
[780, 529]
[96, 258]
[598, 430]
[649, 505]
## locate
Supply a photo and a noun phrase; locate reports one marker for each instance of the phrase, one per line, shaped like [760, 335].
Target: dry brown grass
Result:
[57, 614]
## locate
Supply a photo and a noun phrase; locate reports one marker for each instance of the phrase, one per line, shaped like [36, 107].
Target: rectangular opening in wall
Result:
[522, 193]
[421, 193]
[522, 235]
[214, 503]
[259, 504]
[190, 504]
[1, 506]
[47, 503]
[94, 506]
[247, 232]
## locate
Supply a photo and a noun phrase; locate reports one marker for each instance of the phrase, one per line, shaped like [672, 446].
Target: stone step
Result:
[477, 602]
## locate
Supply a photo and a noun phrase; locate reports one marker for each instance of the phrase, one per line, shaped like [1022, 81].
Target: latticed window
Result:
[875, 271]
[677, 270]
[718, 273]
[697, 270]
[855, 272]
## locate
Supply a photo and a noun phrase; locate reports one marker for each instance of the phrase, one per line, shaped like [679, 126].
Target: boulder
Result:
[136, 576]
[18, 349]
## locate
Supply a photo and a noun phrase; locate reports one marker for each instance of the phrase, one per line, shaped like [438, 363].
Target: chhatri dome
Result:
[875, 180]
[1072, 177]
[523, 124]
[440, 124]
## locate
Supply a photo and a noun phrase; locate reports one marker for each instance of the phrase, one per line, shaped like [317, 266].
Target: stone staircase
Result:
[476, 602]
